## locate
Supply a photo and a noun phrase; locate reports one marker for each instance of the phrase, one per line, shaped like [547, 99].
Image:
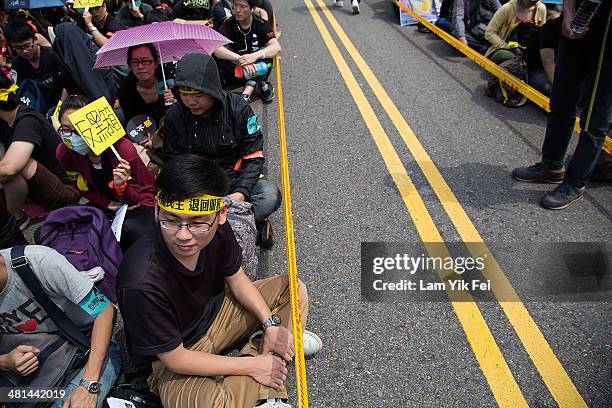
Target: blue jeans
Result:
[447, 26]
[266, 198]
[577, 63]
[110, 372]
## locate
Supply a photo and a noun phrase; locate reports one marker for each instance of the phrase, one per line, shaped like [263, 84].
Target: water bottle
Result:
[261, 68]
[583, 16]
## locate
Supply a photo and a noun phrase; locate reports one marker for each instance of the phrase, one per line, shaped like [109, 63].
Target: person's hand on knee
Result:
[269, 370]
[278, 340]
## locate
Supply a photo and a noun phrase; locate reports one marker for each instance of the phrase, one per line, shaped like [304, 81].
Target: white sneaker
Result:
[355, 5]
[339, 3]
[273, 403]
[312, 343]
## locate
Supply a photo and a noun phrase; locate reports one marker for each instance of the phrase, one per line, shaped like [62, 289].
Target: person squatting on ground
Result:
[516, 15]
[29, 168]
[253, 41]
[185, 299]
[106, 181]
[579, 59]
[22, 316]
[221, 126]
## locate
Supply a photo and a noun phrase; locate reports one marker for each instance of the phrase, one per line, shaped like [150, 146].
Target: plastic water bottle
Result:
[261, 68]
[583, 16]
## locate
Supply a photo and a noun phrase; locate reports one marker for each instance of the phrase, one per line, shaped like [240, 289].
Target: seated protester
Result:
[192, 10]
[178, 315]
[263, 10]
[82, 303]
[541, 55]
[142, 92]
[253, 40]
[100, 24]
[35, 62]
[29, 168]
[221, 126]
[10, 234]
[469, 21]
[516, 15]
[132, 13]
[106, 181]
[221, 11]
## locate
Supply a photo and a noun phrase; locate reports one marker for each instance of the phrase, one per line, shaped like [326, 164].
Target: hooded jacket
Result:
[227, 134]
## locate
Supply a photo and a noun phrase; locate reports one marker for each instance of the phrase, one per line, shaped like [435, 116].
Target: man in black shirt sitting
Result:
[185, 299]
[100, 24]
[253, 40]
[34, 62]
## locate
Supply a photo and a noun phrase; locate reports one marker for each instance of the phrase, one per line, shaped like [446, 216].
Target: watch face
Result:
[276, 319]
[94, 387]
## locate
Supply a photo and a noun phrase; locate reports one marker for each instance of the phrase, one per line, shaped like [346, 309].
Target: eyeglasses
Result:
[64, 131]
[24, 47]
[194, 227]
[143, 62]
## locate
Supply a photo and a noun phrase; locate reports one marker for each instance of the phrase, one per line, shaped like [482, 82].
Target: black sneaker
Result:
[265, 235]
[539, 173]
[422, 29]
[561, 197]
[267, 91]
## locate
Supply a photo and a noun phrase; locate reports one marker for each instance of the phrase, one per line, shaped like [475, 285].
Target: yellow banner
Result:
[87, 3]
[98, 125]
[206, 204]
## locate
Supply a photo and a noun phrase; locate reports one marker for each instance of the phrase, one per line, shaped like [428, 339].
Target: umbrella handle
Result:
[161, 62]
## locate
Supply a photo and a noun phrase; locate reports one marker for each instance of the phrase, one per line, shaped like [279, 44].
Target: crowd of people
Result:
[177, 276]
[534, 41]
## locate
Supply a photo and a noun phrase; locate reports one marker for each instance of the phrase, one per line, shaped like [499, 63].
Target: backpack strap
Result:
[68, 329]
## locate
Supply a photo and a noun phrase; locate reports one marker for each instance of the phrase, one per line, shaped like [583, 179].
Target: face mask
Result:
[76, 143]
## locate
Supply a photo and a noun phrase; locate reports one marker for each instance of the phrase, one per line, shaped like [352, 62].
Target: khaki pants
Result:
[232, 325]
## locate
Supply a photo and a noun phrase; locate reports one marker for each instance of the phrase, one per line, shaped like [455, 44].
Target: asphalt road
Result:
[409, 353]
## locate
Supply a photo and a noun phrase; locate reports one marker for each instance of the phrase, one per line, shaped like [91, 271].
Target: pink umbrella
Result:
[173, 40]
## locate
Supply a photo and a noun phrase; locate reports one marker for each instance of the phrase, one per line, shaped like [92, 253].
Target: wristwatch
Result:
[93, 387]
[273, 320]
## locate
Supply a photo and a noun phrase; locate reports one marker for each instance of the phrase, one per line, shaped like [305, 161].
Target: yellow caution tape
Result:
[296, 315]
[504, 76]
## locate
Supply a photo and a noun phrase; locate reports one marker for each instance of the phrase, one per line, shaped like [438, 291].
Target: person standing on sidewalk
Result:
[582, 58]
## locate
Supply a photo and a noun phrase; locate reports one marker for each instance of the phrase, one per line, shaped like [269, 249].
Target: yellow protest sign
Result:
[87, 3]
[98, 125]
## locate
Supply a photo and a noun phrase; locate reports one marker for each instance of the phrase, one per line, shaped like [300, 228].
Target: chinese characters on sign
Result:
[98, 125]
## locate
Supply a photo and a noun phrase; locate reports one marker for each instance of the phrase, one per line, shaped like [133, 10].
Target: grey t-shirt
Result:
[66, 287]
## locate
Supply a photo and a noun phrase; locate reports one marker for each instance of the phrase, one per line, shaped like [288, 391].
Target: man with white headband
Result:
[185, 299]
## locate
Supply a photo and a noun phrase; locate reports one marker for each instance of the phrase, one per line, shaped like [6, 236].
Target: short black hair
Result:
[151, 48]
[72, 102]
[189, 176]
[252, 3]
[12, 101]
[18, 31]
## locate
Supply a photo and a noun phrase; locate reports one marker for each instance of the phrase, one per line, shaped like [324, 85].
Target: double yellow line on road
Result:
[501, 381]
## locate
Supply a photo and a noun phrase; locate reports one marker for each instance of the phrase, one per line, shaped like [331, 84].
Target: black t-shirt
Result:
[101, 175]
[31, 126]
[49, 72]
[10, 234]
[132, 103]
[110, 27]
[547, 37]
[247, 41]
[164, 304]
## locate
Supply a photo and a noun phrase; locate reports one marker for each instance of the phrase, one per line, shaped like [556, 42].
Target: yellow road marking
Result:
[487, 352]
[552, 372]
[296, 315]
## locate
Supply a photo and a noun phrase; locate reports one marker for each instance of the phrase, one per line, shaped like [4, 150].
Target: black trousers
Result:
[576, 69]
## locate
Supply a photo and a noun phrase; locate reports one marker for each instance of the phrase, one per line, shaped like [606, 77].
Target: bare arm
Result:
[225, 53]
[248, 296]
[548, 62]
[15, 160]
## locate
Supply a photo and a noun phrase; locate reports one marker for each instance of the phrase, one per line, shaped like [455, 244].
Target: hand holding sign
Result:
[98, 126]
[87, 3]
